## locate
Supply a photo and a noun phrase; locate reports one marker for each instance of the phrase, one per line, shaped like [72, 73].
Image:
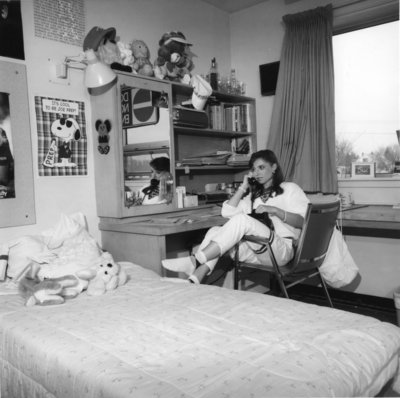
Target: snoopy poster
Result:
[62, 140]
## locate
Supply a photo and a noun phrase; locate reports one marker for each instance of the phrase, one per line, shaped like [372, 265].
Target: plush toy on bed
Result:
[174, 60]
[47, 292]
[109, 276]
[104, 276]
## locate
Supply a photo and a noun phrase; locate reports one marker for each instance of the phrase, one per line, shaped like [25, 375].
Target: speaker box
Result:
[269, 77]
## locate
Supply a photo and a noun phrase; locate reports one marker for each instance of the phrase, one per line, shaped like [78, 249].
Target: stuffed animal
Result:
[49, 291]
[109, 276]
[105, 276]
[127, 57]
[103, 42]
[141, 54]
[174, 61]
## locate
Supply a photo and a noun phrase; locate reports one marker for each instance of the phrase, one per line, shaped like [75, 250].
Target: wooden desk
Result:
[148, 241]
[371, 220]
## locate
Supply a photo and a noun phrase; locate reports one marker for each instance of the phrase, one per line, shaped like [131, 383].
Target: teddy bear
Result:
[127, 57]
[96, 280]
[174, 61]
[141, 54]
[109, 276]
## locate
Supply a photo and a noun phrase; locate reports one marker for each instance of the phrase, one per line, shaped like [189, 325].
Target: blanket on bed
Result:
[152, 337]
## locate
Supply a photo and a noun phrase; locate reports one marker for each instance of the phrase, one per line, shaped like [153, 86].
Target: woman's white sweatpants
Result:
[232, 232]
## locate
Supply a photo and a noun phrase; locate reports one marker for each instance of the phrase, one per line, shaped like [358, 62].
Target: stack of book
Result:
[231, 117]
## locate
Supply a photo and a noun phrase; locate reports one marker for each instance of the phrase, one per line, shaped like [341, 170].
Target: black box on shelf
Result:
[188, 117]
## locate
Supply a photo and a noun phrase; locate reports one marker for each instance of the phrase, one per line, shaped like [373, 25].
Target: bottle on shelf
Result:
[213, 75]
[233, 83]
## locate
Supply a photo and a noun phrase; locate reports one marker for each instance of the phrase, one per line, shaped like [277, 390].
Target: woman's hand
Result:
[245, 184]
[293, 219]
[271, 210]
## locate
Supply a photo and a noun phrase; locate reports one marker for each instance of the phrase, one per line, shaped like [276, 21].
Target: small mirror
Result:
[147, 178]
[146, 125]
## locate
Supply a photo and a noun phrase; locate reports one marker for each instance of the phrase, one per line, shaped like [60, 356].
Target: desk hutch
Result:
[135, 120]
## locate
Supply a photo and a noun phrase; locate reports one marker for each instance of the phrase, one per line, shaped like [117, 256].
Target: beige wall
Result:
[206, 27]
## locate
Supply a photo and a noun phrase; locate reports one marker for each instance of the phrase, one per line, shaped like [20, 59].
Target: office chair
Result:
[310, 250]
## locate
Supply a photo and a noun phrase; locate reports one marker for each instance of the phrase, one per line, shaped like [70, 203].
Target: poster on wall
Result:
[11, 33]
[7, 187]
[62, 140]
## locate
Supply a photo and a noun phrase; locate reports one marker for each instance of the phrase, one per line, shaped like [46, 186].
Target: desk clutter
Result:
[213, 193]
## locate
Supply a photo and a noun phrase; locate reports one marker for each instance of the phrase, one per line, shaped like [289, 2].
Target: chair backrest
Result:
[315, 236]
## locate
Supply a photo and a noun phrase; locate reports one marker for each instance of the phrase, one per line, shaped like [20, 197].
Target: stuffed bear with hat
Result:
[174, 61]
[103, 42]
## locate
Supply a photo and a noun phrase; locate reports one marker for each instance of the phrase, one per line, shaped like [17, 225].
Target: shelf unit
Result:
[190, 142]
[133, 144]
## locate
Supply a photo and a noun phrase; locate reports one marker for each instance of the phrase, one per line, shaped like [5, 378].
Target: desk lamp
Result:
[97, 74]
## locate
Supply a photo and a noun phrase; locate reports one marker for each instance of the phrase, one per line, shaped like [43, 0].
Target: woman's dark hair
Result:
[160, 164]
[277, 178]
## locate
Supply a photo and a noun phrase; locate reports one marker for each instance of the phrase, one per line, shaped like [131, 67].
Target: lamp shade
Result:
[97, 74]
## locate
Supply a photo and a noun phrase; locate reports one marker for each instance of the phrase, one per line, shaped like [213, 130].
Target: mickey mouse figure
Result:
[103, 128]
[66, 130]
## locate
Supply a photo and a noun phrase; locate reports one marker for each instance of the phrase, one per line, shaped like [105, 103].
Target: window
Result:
[366, 63]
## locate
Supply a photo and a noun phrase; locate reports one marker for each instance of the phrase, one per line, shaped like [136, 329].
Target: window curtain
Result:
[302, 130]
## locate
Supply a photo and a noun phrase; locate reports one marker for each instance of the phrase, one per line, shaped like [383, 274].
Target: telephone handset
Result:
[252, 181]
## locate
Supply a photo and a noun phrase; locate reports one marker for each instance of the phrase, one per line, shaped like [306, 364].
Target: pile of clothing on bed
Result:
[58, 264]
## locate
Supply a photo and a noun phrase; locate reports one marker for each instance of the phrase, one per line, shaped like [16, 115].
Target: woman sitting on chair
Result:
[263, 205]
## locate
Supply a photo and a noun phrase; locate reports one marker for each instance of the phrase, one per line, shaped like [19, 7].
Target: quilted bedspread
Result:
[155, 338]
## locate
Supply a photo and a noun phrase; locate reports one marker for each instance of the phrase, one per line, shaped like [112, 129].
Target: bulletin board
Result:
[18, 208]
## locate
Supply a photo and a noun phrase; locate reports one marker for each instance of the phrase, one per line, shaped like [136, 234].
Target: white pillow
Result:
[22, 252]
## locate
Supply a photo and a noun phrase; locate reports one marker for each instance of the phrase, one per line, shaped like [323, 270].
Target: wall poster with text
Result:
[62, 140]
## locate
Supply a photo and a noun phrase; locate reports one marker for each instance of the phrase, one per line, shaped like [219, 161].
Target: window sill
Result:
[378, 190]
[382, 177]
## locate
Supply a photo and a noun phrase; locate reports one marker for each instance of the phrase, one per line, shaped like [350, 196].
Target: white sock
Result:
[180, 264]
[201, 257]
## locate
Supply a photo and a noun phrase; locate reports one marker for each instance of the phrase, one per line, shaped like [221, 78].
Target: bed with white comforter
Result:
[155, 338]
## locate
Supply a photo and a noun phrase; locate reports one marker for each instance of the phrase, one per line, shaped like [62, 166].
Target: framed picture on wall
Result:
[362, 170]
